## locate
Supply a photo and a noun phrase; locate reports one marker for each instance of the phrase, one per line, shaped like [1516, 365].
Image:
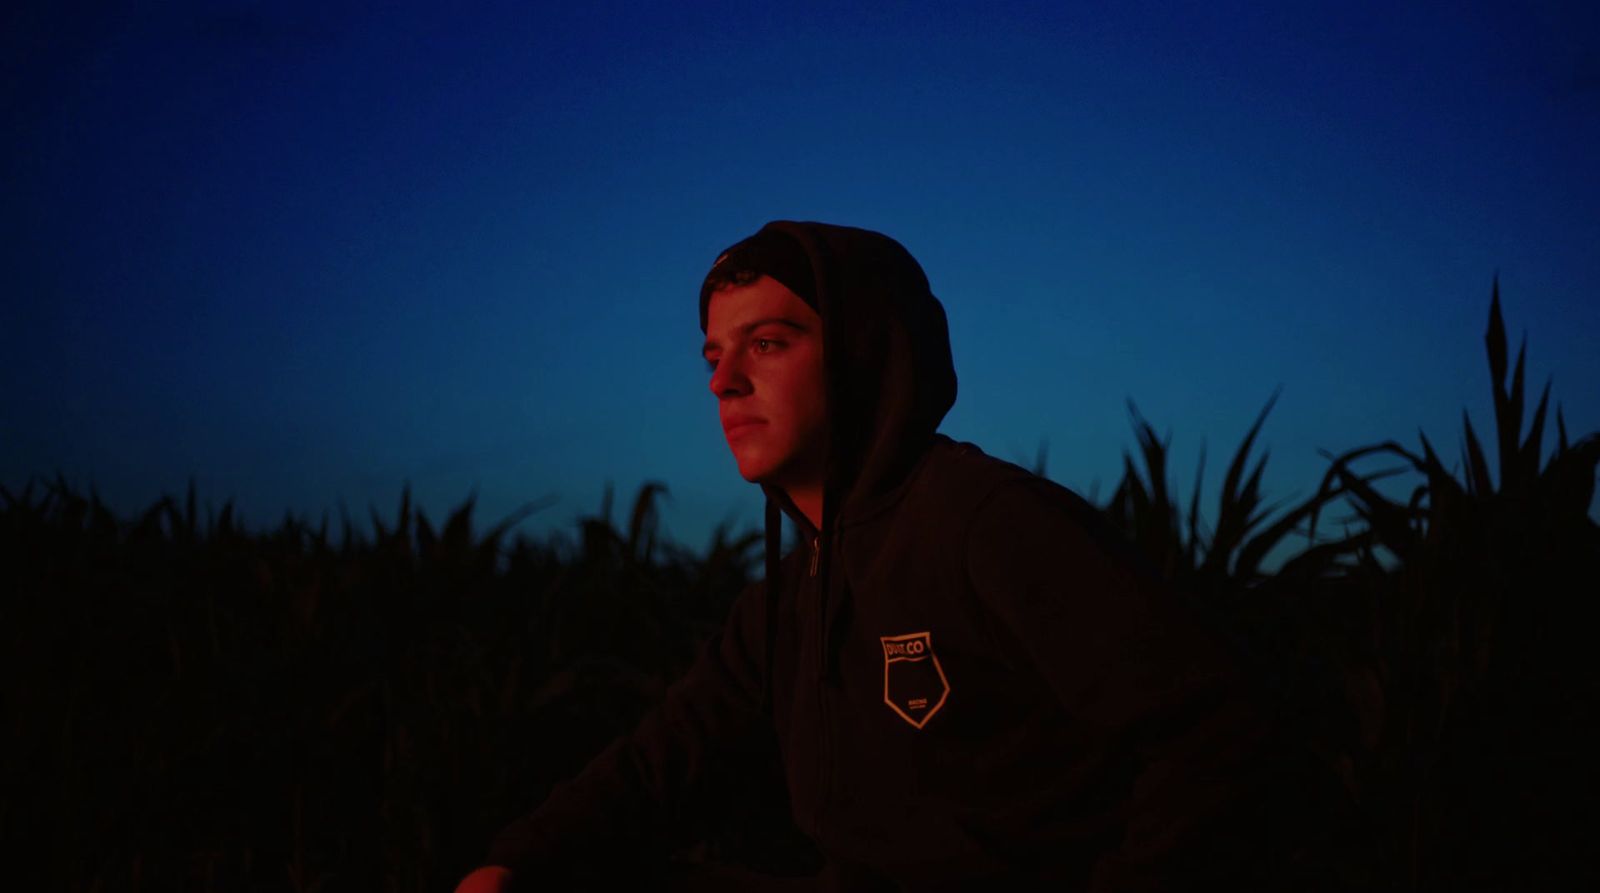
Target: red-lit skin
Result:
[488, 879]
[775, 374]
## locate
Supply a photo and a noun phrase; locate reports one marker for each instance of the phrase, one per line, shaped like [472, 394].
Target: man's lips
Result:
[741, 424]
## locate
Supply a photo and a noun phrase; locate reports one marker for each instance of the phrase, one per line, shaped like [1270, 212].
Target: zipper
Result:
[822, 614]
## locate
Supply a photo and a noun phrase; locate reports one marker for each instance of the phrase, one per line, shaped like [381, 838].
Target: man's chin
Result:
[757, 472]
[751, 471]
[758, 476]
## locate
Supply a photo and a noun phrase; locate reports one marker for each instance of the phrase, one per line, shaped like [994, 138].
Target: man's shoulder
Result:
[1010, 497]
[966, 477]
[959, 465]
[955, 479]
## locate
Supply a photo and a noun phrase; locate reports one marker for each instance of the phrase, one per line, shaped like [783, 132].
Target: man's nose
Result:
[729, 378]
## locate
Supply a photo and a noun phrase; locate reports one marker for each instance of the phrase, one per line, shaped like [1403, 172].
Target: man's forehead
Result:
[736, 305]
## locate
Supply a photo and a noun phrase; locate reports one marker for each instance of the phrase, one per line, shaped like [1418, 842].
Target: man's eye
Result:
[711, 365]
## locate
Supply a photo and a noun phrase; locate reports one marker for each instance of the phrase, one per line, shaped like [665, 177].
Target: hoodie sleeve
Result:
[650, 784]
[1124, 656]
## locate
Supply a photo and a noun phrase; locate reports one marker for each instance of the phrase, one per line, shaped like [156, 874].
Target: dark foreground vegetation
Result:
[190, 705]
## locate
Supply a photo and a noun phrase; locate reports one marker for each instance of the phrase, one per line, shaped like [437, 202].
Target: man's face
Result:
[764, 347]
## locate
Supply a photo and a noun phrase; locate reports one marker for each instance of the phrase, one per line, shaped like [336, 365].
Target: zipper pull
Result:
[815, 551]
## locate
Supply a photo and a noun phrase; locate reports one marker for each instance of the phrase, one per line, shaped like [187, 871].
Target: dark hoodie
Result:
[968, 676]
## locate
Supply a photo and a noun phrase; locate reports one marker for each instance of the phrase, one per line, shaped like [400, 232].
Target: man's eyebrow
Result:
[749, 327]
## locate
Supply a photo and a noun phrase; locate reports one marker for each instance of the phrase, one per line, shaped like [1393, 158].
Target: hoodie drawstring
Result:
[774, 529]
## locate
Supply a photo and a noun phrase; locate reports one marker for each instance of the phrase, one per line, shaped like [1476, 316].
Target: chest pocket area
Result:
[914, 683]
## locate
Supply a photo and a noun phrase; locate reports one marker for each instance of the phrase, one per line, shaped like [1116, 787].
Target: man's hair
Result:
[769, 252]
[729, 275]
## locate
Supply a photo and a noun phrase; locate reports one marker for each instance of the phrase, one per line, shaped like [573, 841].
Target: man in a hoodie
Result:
[966, 676]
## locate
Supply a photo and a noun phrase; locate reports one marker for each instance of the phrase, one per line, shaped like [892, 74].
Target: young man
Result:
[967, 677]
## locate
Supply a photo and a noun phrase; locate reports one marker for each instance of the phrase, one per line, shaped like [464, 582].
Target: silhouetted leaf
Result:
[1528, 458]
[1195, 539]
[1508, 425]
[642, 522]
[1478, 482]
[1495, 338]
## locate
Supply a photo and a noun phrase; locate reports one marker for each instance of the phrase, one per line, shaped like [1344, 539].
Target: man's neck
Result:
[809, 501]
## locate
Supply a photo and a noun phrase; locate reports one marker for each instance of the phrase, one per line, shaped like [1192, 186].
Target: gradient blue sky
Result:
[308, 255]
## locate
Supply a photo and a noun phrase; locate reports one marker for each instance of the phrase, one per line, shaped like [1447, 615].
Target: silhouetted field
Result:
[192, 705]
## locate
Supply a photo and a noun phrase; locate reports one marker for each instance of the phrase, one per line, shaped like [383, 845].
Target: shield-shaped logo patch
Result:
[914, 684]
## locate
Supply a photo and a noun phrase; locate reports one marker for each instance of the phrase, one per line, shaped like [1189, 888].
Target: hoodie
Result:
[966, 676]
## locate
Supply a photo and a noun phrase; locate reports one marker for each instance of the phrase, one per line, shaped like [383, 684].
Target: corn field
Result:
[192, 705]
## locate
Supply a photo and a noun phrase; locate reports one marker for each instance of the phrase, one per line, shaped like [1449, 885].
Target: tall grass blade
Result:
[1252, 553]
[1478, 482]
[1391, 523]
[1528, 456]
[1155, 458]
[489, 548]
[642, 522]
[1495, 340]
[457, 534]
[1233, 516]
[1195, 537]
[1509, 425]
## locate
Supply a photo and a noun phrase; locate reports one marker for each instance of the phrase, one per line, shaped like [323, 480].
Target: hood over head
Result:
[889, 374]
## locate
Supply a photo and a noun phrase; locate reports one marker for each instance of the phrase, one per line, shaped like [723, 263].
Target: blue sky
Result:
[308, 255]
